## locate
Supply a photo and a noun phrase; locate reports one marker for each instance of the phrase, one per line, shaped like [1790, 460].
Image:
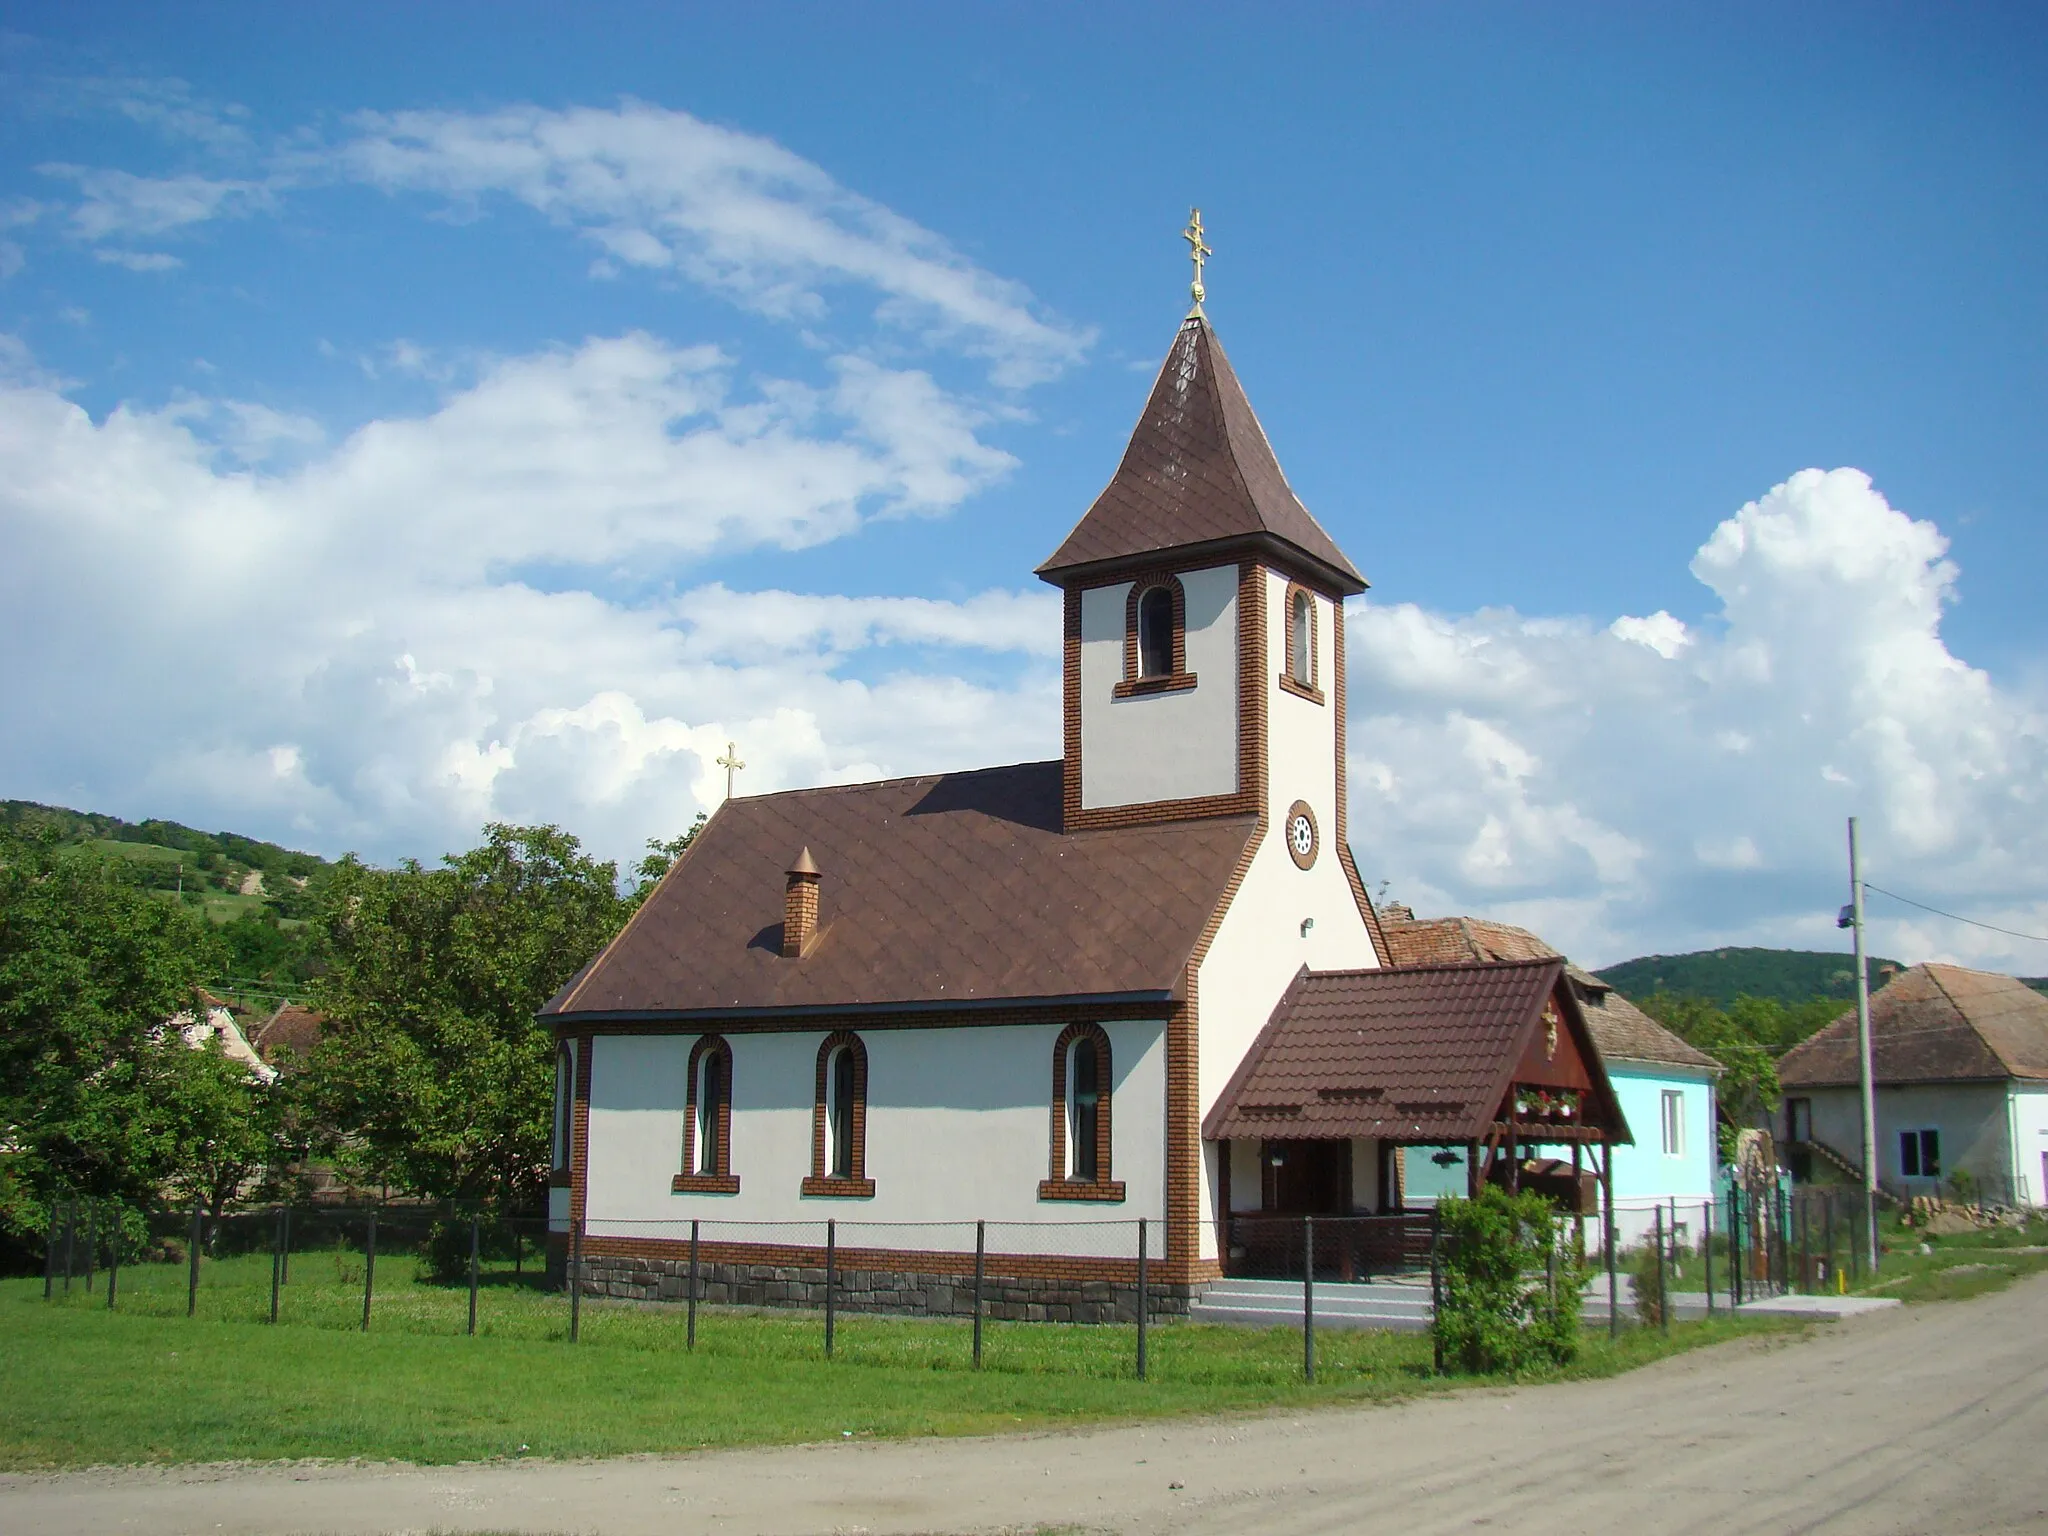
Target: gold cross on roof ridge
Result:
[1199, 251]
[730, 763]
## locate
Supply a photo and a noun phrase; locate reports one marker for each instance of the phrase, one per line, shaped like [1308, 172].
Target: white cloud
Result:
[662, 190]
[121, 205]
[382, 640]
[1646, 786]
[139, 261]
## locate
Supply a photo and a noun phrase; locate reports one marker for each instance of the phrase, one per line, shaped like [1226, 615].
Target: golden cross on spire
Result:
[1198, 251]
[730, 763]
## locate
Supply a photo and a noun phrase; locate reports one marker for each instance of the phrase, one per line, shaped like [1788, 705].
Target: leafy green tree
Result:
[434, 1076]
[1746, 1040]
[91, 969]
[661, 857]
[222, 1126]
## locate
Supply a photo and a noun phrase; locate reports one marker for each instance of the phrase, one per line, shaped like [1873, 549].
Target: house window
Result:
[1920, 1154]
[1674, 1123]
[1298, 676]
[565, 1102]
[707, 1122]
[839, 1118]
[1155, 633]
[1080, 1118]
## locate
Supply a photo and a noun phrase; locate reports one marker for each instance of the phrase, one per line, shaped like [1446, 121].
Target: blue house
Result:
[1665, 1087]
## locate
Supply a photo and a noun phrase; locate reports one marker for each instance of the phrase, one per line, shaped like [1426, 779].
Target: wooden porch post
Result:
[1472, 1169]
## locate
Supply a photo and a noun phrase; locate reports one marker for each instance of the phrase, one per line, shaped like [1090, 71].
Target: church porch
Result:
[1354, 1067]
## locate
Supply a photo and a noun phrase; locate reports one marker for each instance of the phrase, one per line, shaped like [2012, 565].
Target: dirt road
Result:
[1918, 1420]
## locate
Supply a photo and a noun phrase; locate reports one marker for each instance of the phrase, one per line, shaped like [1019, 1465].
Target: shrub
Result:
[1499, 1310]
[1649, 1292]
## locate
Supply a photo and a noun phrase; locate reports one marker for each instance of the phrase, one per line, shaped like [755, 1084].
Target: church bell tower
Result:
[1204, 643]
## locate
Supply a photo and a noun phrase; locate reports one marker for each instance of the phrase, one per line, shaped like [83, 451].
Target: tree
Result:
[92, 968]
[223, 1127]
[661, 857]
[1745, 1040]
[434, 1075]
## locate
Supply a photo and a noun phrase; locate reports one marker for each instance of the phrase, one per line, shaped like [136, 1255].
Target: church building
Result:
[1142, 980]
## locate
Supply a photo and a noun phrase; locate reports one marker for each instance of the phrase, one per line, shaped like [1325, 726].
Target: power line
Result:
[1954, 917]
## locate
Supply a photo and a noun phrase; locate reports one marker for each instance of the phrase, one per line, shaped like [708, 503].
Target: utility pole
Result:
[1869, 1094]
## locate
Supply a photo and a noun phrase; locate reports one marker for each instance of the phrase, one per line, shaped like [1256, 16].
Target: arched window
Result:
[707, 1122]
[1155, 633]
[1084, 1091]
[565, 1102]
[1298, 676]
[1081, 1081]
[839, 1120]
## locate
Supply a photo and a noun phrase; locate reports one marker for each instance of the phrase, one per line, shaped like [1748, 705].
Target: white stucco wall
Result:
[1260, 945]
[1974, 1119]
[957, 1130]
[2028, 1107]
[1160, 746]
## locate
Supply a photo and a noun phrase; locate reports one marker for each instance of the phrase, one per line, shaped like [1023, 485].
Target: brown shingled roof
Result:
[1198, 471]
[1621, 1030]
[955, 888]
[293, 1028]
[1933, 1024]
[1416, 1053]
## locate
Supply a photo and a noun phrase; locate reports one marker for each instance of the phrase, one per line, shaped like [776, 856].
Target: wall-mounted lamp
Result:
[1306, 924]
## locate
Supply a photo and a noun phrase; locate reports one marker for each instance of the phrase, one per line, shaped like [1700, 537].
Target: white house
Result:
[1960, 1067]
[1026, 996]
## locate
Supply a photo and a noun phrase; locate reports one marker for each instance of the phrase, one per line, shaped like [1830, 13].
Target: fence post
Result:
[980, 1252]
[284, 1249]
[50, 1255]
[1144, 1302]
[475, 1247]
[369, 1268]
[1607, 1242]
[276, 1258]
[1308, 1298]
[575, 1273]
[831, 1268]
[114, 1258]
[1663, 1279]
[1436, 1284]
[92, 1240]
[192, 1276]
[690, 1341]
[1707, 1251]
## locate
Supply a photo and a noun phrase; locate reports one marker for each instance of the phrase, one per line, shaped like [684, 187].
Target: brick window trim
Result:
[825, 1187]
[1178, 678]
[1288, 682]
[821, 1181]
[704, 1184]
[719, 1180]
[1056, 1185]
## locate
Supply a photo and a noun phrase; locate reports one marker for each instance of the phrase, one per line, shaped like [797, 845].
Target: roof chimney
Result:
[1397, 912]
[800, 906]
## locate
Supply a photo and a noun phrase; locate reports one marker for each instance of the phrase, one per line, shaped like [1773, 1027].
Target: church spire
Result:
[1198, 478]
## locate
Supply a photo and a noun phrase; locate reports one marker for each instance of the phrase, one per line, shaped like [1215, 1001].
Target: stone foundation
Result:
[1013, 1298]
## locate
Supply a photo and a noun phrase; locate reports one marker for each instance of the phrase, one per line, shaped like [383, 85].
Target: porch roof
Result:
[1421, 1053]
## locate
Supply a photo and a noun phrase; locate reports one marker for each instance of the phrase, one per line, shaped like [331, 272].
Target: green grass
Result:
[81, 1386]
[1957, 1266]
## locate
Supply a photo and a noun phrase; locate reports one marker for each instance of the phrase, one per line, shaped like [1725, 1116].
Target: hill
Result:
[257, 893]
[1722, 975]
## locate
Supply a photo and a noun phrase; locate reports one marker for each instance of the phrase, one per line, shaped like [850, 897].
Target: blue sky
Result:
[421, 415]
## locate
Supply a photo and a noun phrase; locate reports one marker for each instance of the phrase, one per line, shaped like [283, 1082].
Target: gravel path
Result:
[1924, 1419]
